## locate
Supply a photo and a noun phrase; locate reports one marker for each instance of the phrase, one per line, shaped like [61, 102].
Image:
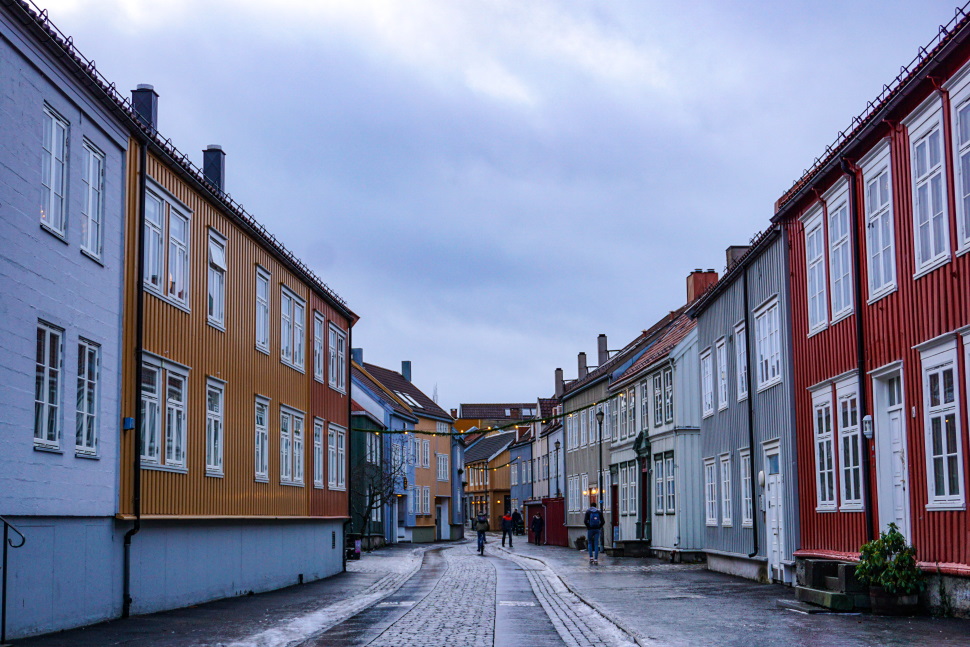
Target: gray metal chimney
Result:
[560, 386]
[583, 370]
[144, 101]
[602, 354]
[406, 369]
[214, 166]
[357, 355]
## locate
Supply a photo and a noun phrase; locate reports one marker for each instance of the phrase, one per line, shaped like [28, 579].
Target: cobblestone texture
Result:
[459, 611]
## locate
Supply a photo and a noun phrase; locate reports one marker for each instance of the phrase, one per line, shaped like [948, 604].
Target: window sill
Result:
[220, 326]
[708, 414]
[722, 408]
[337, 489]
[818, 329]
[826, 510]
[291, 484]
[711, 524]
[965, 249]
[727, 524]
[94, 257]
[944, 506]
[855, 507]
[742, 398]
[341, 391]
[318, 379]
[298, 369]
[882, 293]
[261, 479]
[768, 385]
[50, 449]
[318, 486]
[90, 456]
[263, 349]
[746, 524]
[155, 292]
[59, 235]
[215, 474]
[934, 264]
[836, 318]
[163, 468]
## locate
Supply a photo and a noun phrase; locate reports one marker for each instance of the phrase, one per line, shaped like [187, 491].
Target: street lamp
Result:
[558, 492]
[599, 477]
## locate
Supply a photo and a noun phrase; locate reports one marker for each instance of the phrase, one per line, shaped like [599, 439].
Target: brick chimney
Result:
[734, 252]
[214, 166]
[698, 281]
[602, 354]
[560, 385]
[144, 101]
[583, 370]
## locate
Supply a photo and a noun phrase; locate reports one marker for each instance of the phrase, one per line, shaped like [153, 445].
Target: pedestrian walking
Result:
[538, 525]
[481, 527]
[507, 528]
[594, 521]
[517, 521]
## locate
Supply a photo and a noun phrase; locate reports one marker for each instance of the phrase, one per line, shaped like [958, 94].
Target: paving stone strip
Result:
[579, 623]
[297, 630]
[459, 611]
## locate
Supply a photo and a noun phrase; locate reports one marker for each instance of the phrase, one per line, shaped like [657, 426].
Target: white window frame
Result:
[959, 87]
[631, 416]
[584, 485]
[318, 324]
[291, 450]
[341, 476]
[299, 448]
[332, 458]
[338, 359]
[938, 360]
[584, 424]
[851, 448]
[166, 254]
[644, 405]
[426, 453]
[710, 491]
[632, 487]
[55, 167]
[823, 440]
[767, 326]
[292, 327]
[816, 270]
[86, 432]
[720, 347]
[922, 124]
[707, 382]
[880, 221]
[839, 234]
[92, 200]
[747, 507]
[216, 279]
[441, 462]
[669, 469]
[171, 429]
[177, 258]
[658, 400]
[624, 487]
[261, 439]
[741, 360]
[215, 428]
[47, 402]
[726, 494]
[659, 485]
[426, 499]
[264, 284]
[668, 395]
[318, 452]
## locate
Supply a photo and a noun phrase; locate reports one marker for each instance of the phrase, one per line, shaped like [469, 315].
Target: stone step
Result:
[832, 583]
[828, 599]
[801, 607]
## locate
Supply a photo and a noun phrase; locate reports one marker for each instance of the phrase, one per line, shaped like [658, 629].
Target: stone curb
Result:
[637, 638]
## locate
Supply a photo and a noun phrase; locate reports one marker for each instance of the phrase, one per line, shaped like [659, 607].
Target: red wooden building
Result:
[880, 294]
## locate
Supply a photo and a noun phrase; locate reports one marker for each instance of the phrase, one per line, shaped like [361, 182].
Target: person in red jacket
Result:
[507, 528]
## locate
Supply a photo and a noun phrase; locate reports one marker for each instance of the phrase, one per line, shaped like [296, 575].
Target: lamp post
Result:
[599, 477]
[558, 492]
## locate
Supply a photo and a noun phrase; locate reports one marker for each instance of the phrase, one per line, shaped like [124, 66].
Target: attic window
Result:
[407, 398]
[508, 412]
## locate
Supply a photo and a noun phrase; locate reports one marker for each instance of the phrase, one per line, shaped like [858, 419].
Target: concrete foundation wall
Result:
[423, 534]
[739, 566]
[67, 574]
[175, 564]
[947, 594]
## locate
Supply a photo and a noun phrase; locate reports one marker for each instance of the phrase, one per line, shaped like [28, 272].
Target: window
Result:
[214, 440]
[262, 309]
[262, 439]
[707, 382]
[747, 510]
[726, 490]
[442, 427]
[573, 492]
[880, 236]
[668, 395]
[318, 347]
[425, 453]
[332, 457]
[632, 490]
[659, 504]
[166, 249]
[644, 404]
[291, 446]
[671, 492]
[839, 259]
[298, 461]
[442, 465]
[373, 448]
[514, 474]
[584, 425]
[944, 454]
[741, 359]
[815, 258]
[53, 177]
[338, 358]
[584, 482]
[88, 378]
[658, 400]
[426, 500]
[768, 345]
[930, 222]
[824, 451]
[47, 391]
[961, 137]
[92, 199]
[850, 448]
[217, 279]
[570, 432]
[631, 412]
[292, 311]
[612, 417]
[164, 388]
[339, 434]
[624, 485]
[722, 377]
[710, 491]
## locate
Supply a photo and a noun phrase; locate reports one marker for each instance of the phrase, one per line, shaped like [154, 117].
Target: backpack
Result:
[595, 519]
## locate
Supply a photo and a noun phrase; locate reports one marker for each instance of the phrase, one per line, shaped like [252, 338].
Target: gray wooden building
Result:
[747, 414]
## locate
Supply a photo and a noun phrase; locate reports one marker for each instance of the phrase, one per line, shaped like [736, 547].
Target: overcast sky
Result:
[491, 184]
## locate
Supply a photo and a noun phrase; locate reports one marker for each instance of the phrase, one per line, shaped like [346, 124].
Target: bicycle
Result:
[481, 543]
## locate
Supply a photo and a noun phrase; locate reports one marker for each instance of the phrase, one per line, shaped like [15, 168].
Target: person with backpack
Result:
[481, 527]
[507, 529]
[538, 525]
[517, 521]
[594, 521]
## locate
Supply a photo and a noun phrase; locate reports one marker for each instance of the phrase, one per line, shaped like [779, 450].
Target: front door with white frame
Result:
[774, 513]
[892, 472]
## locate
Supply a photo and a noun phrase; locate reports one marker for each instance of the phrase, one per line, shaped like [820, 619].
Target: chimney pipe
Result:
[603, 355]
[214, 166]
[454, 413]
[560, 386]
[733, 253]
[406, 369]
[144, 101]
[698, 281]
[583, 370]
[357, 355]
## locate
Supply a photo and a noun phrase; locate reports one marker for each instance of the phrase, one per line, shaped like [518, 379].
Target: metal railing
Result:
[8, 542]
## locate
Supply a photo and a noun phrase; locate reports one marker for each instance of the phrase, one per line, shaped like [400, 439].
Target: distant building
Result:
[487, 470]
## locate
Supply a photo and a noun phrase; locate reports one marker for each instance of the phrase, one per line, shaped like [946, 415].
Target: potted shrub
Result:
[888, 566]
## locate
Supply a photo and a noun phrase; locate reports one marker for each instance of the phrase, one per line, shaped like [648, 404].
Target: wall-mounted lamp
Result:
[761, 478]
[867, 426]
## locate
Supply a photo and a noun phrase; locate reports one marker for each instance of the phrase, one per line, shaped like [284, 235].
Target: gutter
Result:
[749, 386]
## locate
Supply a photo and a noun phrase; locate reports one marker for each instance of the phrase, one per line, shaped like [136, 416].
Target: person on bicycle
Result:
[481, 527]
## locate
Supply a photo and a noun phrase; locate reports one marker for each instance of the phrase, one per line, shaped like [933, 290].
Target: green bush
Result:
[890, 563]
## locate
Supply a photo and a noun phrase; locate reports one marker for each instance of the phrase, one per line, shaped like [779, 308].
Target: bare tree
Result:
[374, 482]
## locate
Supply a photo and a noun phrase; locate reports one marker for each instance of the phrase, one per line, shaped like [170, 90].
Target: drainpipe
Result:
[852, 171]
[350, 433]
[748, 386]
[139, 363]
